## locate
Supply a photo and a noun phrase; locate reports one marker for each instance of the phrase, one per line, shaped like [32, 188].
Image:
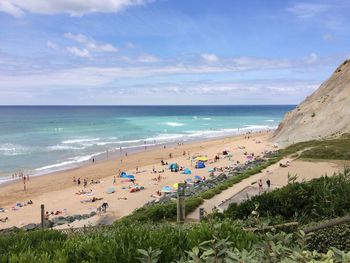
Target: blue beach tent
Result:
[200, 165]
[173, 166]
[167, 189]
[187, 171]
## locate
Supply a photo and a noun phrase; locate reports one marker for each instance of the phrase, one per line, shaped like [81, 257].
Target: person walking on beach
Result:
[85, 183]
[78, 181]
[24, 183]
[268, 182]
[104, 207]
[260, 186]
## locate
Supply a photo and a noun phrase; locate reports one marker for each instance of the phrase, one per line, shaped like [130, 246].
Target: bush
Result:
[337, 236]
[120, 243]
[325, 197]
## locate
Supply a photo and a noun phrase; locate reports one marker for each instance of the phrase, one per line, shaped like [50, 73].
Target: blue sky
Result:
[169, 51]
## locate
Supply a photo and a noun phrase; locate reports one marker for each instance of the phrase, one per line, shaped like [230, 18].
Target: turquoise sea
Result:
[41, 139]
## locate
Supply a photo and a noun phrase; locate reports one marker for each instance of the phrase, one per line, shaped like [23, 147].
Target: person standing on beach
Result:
[268, 182]
[260, 186]
[85, 183]
[24, 183]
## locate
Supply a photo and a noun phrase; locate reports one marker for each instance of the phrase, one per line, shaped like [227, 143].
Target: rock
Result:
[30, 227]
[93, 214]
[61, 222]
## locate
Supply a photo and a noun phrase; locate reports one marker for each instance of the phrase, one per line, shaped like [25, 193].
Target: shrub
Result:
[320, 198]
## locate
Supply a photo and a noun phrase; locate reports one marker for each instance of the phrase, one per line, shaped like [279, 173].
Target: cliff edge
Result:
[324, 113]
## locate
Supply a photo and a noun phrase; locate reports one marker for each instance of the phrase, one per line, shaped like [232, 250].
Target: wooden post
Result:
[42, 216]
[181, 203]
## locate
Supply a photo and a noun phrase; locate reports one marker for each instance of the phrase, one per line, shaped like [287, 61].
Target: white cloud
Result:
[329, 37]
[308, 10]
[90, 43]
[52, 45]
[9, 8]
[312, 58]
[147, 59]
[71, 7]
[83, 53]
[209, 57]
[102, 76]
[130, 45]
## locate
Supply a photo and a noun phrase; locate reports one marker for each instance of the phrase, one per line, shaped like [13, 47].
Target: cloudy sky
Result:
[169, 51]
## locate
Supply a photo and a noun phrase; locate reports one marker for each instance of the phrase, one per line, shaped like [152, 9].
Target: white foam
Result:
[9, 149]
[206, 119]
[270, 120]
[79, 141]
[174, 124]
[60, 147]
[70, 161]
[257, 127]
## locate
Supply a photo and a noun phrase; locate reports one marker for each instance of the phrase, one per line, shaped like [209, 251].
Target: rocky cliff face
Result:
[323, 114]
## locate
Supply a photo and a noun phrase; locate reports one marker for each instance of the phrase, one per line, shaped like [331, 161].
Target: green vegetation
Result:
[148, 236]
[119, 243]
[318, 199]
[330, 149]
[337, 236]
[213, 241]
[167, 211]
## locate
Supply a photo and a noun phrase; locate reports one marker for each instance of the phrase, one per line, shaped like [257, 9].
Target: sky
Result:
[162, 52]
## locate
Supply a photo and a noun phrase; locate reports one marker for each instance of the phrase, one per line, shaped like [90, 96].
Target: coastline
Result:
[57, 191]
[115, 153]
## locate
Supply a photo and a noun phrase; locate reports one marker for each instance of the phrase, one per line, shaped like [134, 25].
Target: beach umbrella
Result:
[197, 177]
[110, 190]
[167, 189]
[130, 176]
[202, 158]
[176, 185]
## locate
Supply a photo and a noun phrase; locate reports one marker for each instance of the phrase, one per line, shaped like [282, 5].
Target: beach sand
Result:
[57, 191]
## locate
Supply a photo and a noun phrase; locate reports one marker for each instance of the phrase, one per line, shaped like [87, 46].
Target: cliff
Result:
[323, 114]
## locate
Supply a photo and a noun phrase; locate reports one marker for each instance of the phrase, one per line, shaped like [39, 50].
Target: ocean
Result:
[43, 139]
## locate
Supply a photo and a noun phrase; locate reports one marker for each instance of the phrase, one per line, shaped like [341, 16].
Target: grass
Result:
[330, 149]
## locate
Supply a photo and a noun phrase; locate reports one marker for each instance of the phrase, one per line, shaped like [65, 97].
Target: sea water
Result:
[42, 139]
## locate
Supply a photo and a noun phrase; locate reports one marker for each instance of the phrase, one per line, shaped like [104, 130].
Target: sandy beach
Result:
[58, 191]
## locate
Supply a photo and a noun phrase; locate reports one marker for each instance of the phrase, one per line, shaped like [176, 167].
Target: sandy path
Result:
[305, 170]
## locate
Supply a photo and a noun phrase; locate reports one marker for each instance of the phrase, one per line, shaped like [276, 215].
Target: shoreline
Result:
[115, 153]
[57, 190]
